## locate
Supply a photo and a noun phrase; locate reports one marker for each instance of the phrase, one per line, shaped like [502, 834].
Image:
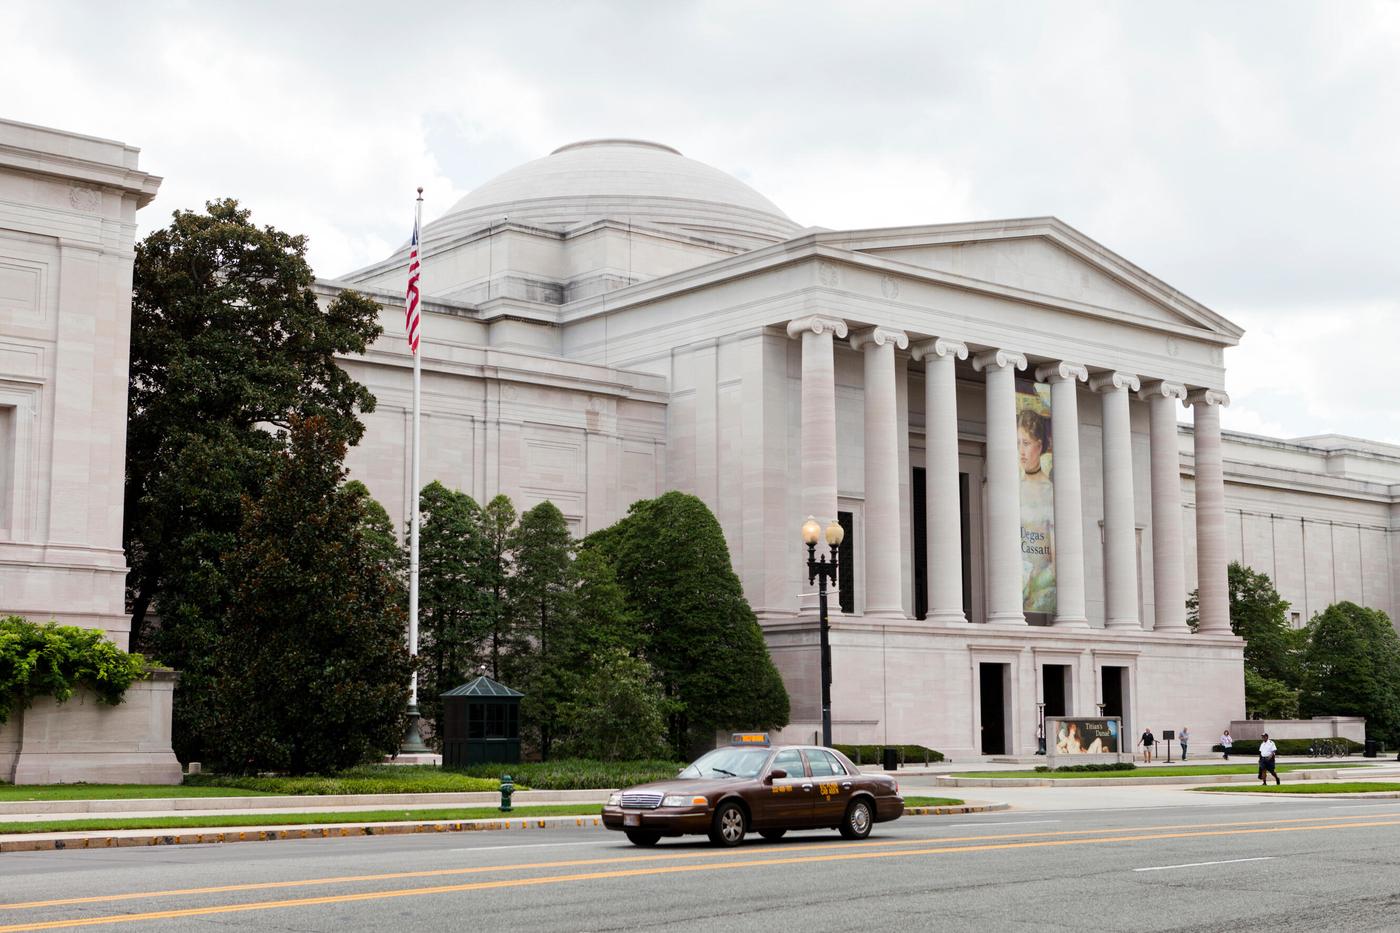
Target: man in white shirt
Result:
[1268, 761]
[1226, 742]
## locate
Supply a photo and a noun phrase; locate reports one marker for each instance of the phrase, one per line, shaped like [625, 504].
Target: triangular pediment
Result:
[1041, 257]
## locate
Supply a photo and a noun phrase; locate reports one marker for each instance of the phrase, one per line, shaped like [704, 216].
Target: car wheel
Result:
[772, 835]
[730, 825]
[859, 819]
[642, 837]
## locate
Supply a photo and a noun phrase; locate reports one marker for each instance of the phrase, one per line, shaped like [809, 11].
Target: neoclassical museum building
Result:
[1018, 429]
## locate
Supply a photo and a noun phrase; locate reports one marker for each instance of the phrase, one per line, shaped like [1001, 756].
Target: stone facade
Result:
[67, 222]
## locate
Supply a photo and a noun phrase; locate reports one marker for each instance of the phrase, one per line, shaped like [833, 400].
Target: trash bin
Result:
[891, 759]
[1371, 746]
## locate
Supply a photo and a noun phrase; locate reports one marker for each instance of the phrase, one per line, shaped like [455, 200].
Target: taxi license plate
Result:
[631, 819]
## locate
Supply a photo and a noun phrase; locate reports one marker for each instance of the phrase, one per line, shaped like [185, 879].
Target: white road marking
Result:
[1228, 861]
[525, 845]
[1003, 823]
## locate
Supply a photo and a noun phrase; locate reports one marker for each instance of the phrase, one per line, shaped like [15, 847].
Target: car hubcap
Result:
[860, 818]
[732, 825]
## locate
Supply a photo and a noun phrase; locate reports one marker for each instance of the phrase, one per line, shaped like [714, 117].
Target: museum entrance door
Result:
[1115, 696]
[1054, 680]
[995, 682]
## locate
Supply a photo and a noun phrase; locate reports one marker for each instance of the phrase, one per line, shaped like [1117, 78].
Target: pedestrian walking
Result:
[1147, 740]
[1268, 761]
[1183, 736]
[1226, 742]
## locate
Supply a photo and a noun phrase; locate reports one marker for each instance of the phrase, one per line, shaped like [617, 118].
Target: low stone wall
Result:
[84, 740]
[1320, 727]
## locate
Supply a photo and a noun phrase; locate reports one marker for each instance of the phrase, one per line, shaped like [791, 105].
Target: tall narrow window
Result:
[846, 586]
[8, 466]
[964, 506]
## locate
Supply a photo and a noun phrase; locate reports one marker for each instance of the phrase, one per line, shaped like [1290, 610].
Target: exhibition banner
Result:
[1086, 736]
[1033, 447]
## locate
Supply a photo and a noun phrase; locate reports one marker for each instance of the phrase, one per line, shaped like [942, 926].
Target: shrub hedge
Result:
[1285, 746]
[875, 754]
[576, 773]
[1097, 766]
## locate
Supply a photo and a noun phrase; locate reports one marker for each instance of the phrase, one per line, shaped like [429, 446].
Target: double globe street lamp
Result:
[823, 570]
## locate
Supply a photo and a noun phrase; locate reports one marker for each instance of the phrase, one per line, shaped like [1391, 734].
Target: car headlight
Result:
[681, 800]
[615, 800]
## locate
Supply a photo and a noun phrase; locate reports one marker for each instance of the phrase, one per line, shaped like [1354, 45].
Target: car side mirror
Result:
[774, 775]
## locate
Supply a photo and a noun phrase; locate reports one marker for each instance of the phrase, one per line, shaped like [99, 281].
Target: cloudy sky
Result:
[1246, 152]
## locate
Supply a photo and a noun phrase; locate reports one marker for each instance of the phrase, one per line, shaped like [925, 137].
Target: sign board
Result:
[1073, 736]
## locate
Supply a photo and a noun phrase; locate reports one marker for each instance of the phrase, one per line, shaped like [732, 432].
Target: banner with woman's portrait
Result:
[1033, 445]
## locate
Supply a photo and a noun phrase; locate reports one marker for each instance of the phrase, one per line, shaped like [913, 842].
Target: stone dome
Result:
[625, 180]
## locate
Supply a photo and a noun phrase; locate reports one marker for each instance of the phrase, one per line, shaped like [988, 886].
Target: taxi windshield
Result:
[728, 763]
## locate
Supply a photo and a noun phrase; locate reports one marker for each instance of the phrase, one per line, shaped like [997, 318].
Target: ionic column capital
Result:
[998, 359]
[1061, 372]
[817, 324]
[939, 347]
[1207, 397]
[878, 337]
[1161, 389]
[1113, 381]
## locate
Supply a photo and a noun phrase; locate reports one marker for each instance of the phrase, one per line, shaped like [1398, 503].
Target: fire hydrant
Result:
[507, 788]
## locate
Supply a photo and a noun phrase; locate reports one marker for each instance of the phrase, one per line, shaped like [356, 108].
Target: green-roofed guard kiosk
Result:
[480, 723]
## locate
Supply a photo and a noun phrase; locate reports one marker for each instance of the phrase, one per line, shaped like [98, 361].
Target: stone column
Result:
[943, 502]
[818, 454]
[1119, 527]
[1168, 556]
[884, 582]
[1069, 511]
[1003, 522]
[1212, 575]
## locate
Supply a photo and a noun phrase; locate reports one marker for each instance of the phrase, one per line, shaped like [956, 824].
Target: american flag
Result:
[411, 315]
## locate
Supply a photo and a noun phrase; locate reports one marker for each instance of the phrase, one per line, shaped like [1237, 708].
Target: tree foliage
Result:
[699, 633]
[312, 667]
[497, 521]
[228, 345]
[1352, 668]
[618, 712]
[56, 660]
[455, 610]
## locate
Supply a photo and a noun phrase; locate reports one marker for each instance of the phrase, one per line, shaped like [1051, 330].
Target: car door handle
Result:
[806, 786]
[846, 785]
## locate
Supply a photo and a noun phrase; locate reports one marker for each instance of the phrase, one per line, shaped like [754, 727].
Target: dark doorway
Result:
[1115, 695]
[846, 582]
[994, 678]
[1054, 680]
[920, 505]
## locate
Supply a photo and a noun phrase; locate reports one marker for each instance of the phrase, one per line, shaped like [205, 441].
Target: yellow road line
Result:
[657, 870]
[654, 857]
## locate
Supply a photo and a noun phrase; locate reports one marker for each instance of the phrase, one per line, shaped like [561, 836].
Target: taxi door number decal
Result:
[828, 790]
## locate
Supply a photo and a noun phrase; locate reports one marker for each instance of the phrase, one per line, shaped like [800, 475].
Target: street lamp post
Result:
[823, 570]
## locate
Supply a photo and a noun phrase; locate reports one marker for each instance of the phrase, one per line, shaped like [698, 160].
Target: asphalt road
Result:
[1258, 865]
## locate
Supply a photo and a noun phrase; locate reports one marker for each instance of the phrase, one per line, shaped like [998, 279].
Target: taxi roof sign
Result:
[749, 738]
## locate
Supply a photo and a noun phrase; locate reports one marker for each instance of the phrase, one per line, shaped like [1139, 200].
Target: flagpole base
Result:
[412, 743]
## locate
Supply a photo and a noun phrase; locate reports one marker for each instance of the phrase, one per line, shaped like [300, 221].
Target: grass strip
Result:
[369, 779]
[1310, 787]
[1173, 771]
[297, 819]
[20, 793]
[932, 802]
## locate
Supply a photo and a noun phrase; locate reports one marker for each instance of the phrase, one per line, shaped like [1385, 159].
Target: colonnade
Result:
[1002, 521]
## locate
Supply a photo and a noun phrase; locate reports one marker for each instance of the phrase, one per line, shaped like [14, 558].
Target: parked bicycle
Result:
[1329, 748]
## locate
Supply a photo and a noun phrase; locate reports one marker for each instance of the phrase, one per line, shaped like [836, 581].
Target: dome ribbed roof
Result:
[625, 180]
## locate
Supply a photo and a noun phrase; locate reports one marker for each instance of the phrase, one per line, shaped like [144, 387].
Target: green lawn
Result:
[1173, 771]
[1311, 787]
[367, 779]
[286, 819]
[10, 793]
[932, 802]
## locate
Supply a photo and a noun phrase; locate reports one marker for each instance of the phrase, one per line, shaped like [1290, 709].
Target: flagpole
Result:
[413, 739]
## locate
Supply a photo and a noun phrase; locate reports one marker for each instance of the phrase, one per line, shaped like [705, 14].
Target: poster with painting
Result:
[1033, 445]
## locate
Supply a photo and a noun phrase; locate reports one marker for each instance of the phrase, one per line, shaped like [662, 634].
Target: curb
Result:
[209, 837]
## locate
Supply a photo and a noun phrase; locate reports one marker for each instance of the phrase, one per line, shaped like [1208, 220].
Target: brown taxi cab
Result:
[751, 786]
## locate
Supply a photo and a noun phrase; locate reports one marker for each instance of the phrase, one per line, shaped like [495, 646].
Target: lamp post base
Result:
[412, 743]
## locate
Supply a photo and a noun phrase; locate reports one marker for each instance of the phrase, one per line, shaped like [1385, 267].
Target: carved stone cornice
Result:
[1113, 381]
[1061, 372]
[1161, 389]
[1207, 397]
[939, 347]
[998, 359]
[879, 336]
[817, 325]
